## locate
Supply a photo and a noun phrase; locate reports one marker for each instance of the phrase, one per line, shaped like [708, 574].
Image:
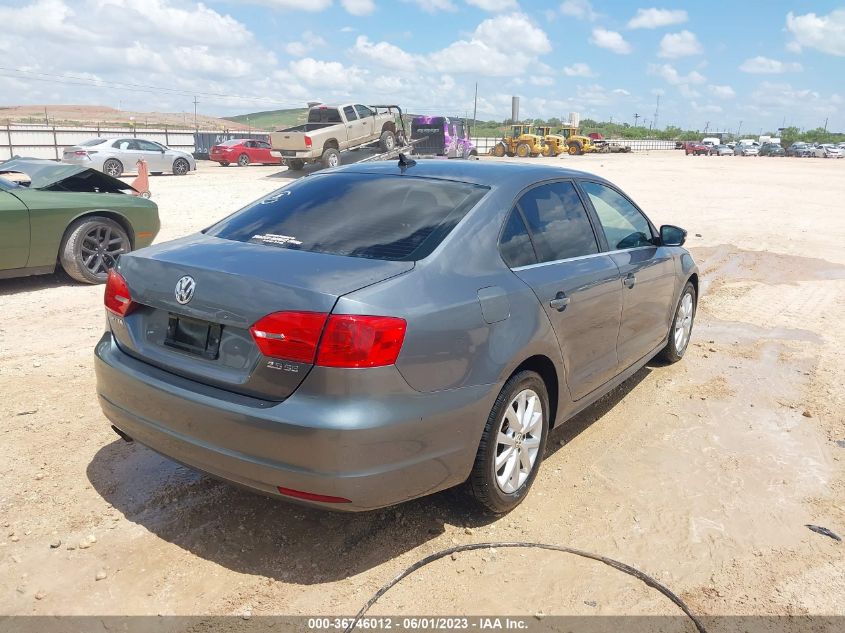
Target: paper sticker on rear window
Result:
[281, 240]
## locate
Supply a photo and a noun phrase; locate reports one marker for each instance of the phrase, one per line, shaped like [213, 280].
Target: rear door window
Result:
[349, 113]
[515, 244]
[387, 217]
[558, 222]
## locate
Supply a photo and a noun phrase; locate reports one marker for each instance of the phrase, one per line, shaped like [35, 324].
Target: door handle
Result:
[630, 280]
[560, 302]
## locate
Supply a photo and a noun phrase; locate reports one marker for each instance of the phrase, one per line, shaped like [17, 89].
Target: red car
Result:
[696, 148]
[243, 151]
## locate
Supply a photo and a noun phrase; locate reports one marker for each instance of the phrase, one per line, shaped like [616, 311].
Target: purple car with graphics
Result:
[441, 136]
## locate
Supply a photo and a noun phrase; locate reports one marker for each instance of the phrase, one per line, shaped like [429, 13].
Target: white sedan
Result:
[115, 156]
[827, 150]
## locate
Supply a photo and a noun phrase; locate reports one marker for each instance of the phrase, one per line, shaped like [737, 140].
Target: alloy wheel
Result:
[100, 248]
[518, 440]
[683, 322]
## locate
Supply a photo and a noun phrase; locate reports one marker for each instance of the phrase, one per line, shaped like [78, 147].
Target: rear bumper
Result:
[328, 438]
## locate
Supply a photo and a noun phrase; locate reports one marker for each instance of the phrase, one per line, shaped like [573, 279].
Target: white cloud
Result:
[706, 108]
[610, 40]
[578, 69]
[581, 9]
[535, 80]
[359, 7]
[499, 47]
[825, 33]
[296, 5]
[314, 72]
[494, 5]
[433, 6]
[655, 18]
[681, 44]
[309, 41]
[723, 92]
[766, 66]
[384, 54]
[672, 76]
[621, 91]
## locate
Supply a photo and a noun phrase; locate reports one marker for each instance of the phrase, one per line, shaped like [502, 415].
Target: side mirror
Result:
[672, 235]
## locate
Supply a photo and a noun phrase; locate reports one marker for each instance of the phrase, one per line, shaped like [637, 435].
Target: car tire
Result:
[181, 167]
[296, 164]
[680, 331]
[387, 141]
[224, 163]
[243, 160]
[495, 487]
[113, 167]
[331, 158]
[81, 241]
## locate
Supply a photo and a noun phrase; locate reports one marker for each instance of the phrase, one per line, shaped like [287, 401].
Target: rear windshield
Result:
[324, 115]
[398, 218]
[234, 141]
[92, 142]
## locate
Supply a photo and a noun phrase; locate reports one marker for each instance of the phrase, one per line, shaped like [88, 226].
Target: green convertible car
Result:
[70, 215]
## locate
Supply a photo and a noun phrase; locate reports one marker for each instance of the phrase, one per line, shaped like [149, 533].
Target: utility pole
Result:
[636, 118]
[474, 107]
[47, 119]
[196, 127]
[738, 129]
[825, 125]
[706, 126]
[656, 111]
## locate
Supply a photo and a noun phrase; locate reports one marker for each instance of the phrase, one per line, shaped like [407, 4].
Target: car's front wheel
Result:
[512, 444]
[91, 247]
[681, 330]
[181, 167]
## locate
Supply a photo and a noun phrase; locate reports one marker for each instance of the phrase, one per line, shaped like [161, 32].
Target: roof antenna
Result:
[405, 162]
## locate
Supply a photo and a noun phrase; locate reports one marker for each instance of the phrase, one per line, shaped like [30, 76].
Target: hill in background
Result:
[69, 115]
[272, 119]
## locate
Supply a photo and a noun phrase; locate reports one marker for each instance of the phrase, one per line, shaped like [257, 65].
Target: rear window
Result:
[324, 115]
[231, 142]
[92, 142]
[398, 218]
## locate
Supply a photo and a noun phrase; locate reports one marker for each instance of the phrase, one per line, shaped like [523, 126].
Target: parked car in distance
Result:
[75, 216]
[712, 141]
[771, 149]
[242, 152]
[721, 150]
[695, 148]
[746, 150]
[117, 156]
[827, 150]
[382, 331]
[799, 149]
[441, 136]
[333, 129]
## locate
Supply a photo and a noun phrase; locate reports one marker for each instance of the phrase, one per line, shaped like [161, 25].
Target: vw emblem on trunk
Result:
[185, 289]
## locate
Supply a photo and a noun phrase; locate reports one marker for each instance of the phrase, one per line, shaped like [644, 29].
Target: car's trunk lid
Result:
[236, 284]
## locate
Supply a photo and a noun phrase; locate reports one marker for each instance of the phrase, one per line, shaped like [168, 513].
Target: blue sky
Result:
[763, 63]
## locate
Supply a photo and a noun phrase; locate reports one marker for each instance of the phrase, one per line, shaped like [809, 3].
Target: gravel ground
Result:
[702, 474]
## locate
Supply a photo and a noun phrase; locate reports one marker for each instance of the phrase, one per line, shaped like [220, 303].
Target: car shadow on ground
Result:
[252, 534]
[33, 283]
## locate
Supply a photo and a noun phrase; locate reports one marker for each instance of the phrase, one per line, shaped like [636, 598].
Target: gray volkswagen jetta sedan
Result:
[379, 332]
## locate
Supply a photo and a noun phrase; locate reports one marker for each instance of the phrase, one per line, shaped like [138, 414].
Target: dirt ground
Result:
[702, 474]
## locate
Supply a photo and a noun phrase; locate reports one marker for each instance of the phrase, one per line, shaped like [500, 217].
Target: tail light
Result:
[118, 300]
[307, 142]
[349, 340]
[352, 340]
[290, 335]
[80, 152]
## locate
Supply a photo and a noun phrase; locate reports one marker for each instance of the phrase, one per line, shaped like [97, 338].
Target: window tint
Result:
[232, 142]
[623, 225]
[358, 215]
[558, 222]
[515, 245]
[124, 144]
[363, 111]
[324, 115]
[92, 142]
[349, 113]
[262, 144]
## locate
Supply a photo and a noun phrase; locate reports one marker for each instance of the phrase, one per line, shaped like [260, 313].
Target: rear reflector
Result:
[117, 297]
[310, 496]
[352, 340]
[289, 335]
[349, 340]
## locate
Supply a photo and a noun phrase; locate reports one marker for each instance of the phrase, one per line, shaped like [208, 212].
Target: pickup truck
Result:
[333, 129]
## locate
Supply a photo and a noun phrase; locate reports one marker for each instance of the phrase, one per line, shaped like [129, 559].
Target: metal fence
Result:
[486, 143]
[42, 141]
